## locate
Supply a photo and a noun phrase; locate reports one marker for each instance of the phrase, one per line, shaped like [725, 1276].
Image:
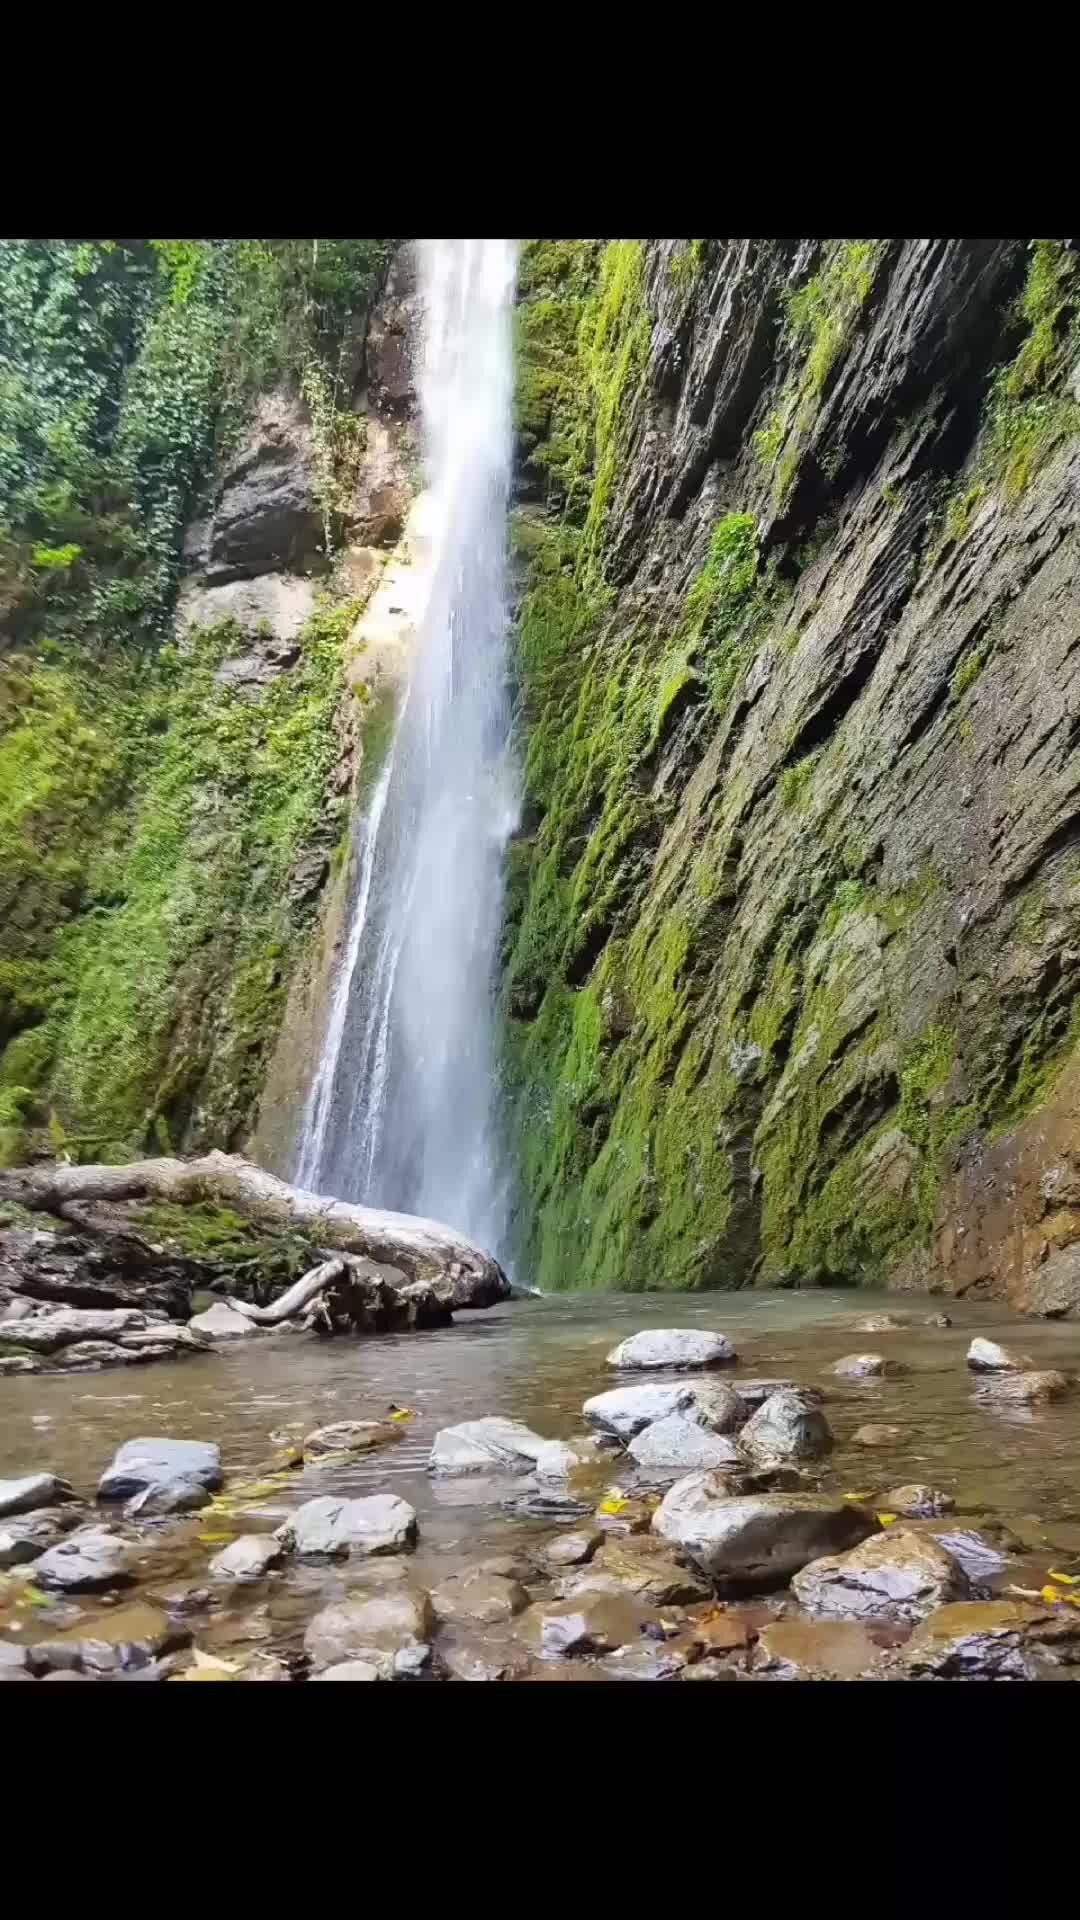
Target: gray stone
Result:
[625, 1411]
[222, 1322]
[485, 1446]
[649, 1660]
[917, 1502]
[865, 1366]
[761, 1537]
[177, 1496]
[478, 1599]
[88, 1558]
[140, 1465]
[65, 1326]
[573, 1549]
[1026, 1389]
[787, 1426]
[25, 1536]
[986, 1356]
[590, 1623]
[979, 1557]
[31, 1491]
[898, 1575]
[352, 1670]
[385, 1623]
[673, 1347]
[248, 1557]
[350, 1436]
[681, 1444]
[380, 1523]
[642, 1567]
[973, 1638]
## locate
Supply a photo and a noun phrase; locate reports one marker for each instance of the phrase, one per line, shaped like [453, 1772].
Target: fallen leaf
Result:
[887, 1519]
[612, 1506]
[212, 1662]
[1070, 1599]
[1066, 1579]
[403, 1413]
[34, 1597]
[855, 1496]
[1051, 1595]
[1022, 1593]
[214, 1539]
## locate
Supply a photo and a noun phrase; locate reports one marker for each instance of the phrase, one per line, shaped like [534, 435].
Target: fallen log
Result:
[423, 1249]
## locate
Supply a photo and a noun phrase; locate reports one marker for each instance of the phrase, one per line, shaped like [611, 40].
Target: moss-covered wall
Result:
[794, 919]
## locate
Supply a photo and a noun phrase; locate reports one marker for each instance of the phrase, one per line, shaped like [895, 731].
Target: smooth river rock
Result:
[866, 1366]
[328, 1526]
[478, 1599]
[486, 1446]
[27, 1535]
[973, 1638]
[673, 1347]
[222, 1322]
[787, 1426]
[33, 1490]
[755, 1537]
[898, 1575]
[986, 1356]
[141, 1465]
[917, 1502]
[680, 1443]
[88, 1558]
[248, 1557]
[625, 1411]
[380, 1627]
[351, 1436]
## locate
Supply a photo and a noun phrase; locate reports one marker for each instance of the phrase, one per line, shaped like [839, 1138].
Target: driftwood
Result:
[424, 1250]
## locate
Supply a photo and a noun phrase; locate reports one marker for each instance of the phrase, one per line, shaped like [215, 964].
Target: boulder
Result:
[248, 1557]
[331, 1527]
[489, 1445]
[66, 1326]
[395, 1620]
[917, 1502]
[573, 1549]
[673, 1347]
[351, 1436]
[761, 1537]
[873, 1435]
[679, 1443]
[816, 1650]
[140, 1465]
[26, 1536]
[866, 1366]
[177, 1496]
[88, 1558]
[589, 1623]
[352, 1670]
[979, 1557]
[222, 1322]
[1026, 1389]
[786, 1426]
[645, 1569]
[648, 1660]
[898, 1575]
[125, 1638]
[31, 1491]
[982, 1639]
[986, 1356]
[625, 1411]
[475, 1658]
[266, 518]
[478, 1599]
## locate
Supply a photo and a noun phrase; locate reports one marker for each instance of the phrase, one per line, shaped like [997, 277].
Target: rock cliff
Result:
[793, 958]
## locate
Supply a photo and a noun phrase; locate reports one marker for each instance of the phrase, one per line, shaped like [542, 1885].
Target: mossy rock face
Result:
[771, 974]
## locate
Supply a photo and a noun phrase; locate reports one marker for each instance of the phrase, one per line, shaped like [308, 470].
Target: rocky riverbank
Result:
[693, 1526]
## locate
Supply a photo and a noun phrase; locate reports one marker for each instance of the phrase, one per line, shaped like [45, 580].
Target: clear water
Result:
[402, 1109]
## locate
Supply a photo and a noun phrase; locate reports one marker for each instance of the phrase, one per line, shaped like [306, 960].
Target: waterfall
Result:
[401, 1108]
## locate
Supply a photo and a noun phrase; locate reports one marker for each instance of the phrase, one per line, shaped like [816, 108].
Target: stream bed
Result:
[534, 1361]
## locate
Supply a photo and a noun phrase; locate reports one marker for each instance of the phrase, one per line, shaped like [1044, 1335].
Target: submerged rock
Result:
[487, 1445]
[490, 1657]
[879, 1323]
[754, 1393]
[973, 1638]
[126, 1637]
[140, 1465]
[330, 1527]
[681, 1444]
[478, 1599]
[866, 1366]
[897, 1576]
[1026, 1389]
[786, 1427]
[350, 1436]
[816, 1649]
[673, 1347]
[379, 1627]
[755, 1537]
[248, 1557]
[874, 1435]
[573, 1549]
[918, 1503]
[986, 1356]
[31, 1491]
[90, 1557]
[590, 1623]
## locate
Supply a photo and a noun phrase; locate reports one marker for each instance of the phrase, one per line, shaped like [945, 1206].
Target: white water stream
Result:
[400, 1112]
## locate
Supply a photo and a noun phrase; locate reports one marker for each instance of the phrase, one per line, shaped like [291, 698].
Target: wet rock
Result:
[898, 1575]
[644, 1568]
[589, 1623]
[381, 1523]
[397, 1620]
[558, 1459]
[561, 1670]
[717, 1630]
[816, 1649]
[126, 1637]
[673, 1347]
[13, 1658]
[626, 1411]
[763, 1537]
[487, 1445]
[879, 1323]
[267, 517]
[350, 1436]
[248, 1557]
[222, 1322]
[979, 1557]
[620, 1515]
[45, 1332]
[27, 1535]
[648, 1660]
[937, 1320]
[31, 1491]
[787, 1426]
[680, 1444]
[873, 1435]
[509, 1566]
[89, 1356]
[866, 1366]
[140, 1465]
[917, 1502]
[265, 1667]
[88, 1558]
[490, 1657]
[1026, 1389]
[973, 1638]
[986, 1356]
[478, 1599]
[160, 1339]
[19, 1363]
[182, 1496]
[708, 1669]
[754, 1393]
[352, 1670]
[573, 1549]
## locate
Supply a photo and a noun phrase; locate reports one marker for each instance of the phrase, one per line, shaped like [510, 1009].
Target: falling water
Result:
[401, 1109]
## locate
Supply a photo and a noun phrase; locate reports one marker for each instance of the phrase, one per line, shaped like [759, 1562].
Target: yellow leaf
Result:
[34, 1597]
[403, 1413]
[214, 1539]
[855, 1496]
[1070, 1599]
[1051, 1595]
[612, 1506]
[1066, 1579]
[886, 1519]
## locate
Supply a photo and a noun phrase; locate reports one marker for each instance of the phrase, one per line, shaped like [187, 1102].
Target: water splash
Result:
[401, 1110]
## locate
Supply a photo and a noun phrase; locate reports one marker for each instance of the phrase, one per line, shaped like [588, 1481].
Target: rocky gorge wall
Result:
[793, 954]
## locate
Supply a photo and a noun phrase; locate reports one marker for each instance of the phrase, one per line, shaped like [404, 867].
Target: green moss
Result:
[1031, 408]
[969, 669]
[795, 783]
